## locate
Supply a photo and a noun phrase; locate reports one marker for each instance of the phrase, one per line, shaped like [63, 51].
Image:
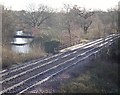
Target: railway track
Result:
[23, 77]
[21, 66]
[27, 65]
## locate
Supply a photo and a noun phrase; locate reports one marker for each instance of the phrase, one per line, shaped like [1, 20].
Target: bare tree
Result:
[35, 17]
[118, 16]
[113, 13]
[67, 20]
[7, 25]
[86, 22]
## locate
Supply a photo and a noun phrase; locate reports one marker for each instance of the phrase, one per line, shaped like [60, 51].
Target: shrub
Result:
[52, 46]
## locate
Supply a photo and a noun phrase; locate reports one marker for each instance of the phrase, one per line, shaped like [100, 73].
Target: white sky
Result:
[58, 4]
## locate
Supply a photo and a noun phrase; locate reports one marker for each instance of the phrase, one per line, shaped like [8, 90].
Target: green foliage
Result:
[52, 46]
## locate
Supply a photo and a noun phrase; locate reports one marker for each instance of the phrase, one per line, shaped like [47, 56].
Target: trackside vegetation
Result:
[100, 76]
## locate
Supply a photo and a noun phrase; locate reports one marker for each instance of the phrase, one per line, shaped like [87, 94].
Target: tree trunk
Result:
[70, 36]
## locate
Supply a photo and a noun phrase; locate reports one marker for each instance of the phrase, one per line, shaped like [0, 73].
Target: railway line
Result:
[21, 66]
[23, 77]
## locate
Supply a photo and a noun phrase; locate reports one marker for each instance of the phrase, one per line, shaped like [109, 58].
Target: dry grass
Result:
[10, 58]
[100, 77]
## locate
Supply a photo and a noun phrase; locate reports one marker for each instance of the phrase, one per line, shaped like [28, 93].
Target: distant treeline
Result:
[68, 26]
[54, 30]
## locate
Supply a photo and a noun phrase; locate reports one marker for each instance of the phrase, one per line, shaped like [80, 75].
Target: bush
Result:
[40, 40]
[52, 46]
[114, 51]
[101, 78]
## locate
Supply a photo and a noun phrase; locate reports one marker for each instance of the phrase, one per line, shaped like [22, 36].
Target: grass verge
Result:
[100, 77]
[10, 58]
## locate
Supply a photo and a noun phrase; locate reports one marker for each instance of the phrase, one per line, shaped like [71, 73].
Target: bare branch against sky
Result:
[58, 4]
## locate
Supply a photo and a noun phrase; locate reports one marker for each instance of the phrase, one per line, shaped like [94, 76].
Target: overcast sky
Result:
[58, 4]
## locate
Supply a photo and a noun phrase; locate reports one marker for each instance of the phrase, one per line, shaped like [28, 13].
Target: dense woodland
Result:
[72, 25]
